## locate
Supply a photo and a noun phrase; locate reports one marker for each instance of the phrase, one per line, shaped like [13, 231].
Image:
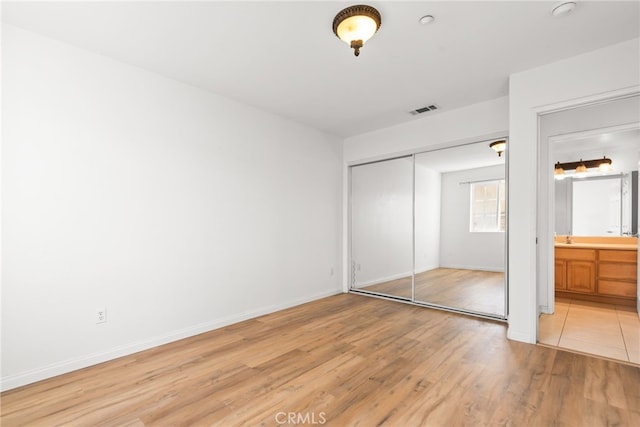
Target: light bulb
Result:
[605, 166]
[581, 171]
[558, 172]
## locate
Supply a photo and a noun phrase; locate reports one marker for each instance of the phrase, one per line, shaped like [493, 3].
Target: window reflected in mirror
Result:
[488, 206]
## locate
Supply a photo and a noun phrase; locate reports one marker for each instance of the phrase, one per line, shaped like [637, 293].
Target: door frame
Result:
[546, 204]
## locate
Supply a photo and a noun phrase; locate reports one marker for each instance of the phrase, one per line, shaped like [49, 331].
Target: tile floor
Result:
[601, 329]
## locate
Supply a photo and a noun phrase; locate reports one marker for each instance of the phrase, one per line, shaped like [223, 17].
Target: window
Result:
[487, 206]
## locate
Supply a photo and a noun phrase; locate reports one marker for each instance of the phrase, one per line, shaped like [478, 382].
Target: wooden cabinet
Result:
[576, 270]
[581, 276]
[605, 275]
[617, 289]
[561, 275]
[618, 273]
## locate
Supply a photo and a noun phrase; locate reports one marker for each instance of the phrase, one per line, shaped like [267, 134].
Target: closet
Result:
[430, 229]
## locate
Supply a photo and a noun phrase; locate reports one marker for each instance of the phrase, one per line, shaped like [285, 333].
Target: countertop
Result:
[615, 246]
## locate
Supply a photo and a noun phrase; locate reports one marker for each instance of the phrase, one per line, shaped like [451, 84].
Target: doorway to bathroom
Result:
[588, 228]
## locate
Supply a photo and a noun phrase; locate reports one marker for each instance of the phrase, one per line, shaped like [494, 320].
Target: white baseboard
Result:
[422, 270]
[474, 267]
[17, 380]
[543, 309]
[425, 269]
[394, 277]
[382, 279]
[519, 336]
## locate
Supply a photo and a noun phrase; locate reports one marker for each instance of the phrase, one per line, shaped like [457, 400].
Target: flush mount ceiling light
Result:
[426, 19]
[563, 9]
[499, 146]
[356, 24]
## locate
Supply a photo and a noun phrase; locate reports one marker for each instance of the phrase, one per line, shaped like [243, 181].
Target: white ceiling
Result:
[600, 144]
[282, 57]
[623, 148]
[469, 156]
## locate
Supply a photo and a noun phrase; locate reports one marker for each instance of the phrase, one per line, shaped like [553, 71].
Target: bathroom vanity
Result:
[599, 269]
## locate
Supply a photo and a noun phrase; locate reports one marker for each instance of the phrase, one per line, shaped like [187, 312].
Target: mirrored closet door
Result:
[431, 229]
[460, 222]
[382, 227]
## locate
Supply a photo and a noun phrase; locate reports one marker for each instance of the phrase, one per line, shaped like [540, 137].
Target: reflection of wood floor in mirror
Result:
[474, 290]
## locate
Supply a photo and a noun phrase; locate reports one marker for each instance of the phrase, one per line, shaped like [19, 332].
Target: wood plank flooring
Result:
[474, 290]
[345, 360]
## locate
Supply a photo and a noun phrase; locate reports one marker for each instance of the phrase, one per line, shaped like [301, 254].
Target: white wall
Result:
[473, 123]
[382, 235]
[467, 124]
[177, 210]
[460, 248]
[573, 81]
[427, 217]
[562, 217]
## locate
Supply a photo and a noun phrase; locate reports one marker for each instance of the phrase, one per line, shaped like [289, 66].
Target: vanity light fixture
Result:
[355, 25]
[581, 167]
[499, 146]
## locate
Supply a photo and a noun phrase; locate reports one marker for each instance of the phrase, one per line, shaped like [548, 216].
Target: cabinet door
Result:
[581, 276]
[561, 275]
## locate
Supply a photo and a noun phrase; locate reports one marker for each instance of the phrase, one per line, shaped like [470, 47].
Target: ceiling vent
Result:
[424, 109]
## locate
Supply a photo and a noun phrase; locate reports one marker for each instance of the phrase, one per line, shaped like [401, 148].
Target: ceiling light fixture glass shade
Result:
[605, 165]
[581, 170]
[563, 8]
[499, 146]
[426, 19]
[558, 172]
[356, 24]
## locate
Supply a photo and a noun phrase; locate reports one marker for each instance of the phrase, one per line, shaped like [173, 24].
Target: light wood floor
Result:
[348, 359]
[474, 290]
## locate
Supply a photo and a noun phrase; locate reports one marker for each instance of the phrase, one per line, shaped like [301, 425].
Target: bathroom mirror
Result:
[601, 203]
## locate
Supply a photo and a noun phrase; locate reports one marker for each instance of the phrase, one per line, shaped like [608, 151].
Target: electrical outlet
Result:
[331, 272]
[101, 315]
